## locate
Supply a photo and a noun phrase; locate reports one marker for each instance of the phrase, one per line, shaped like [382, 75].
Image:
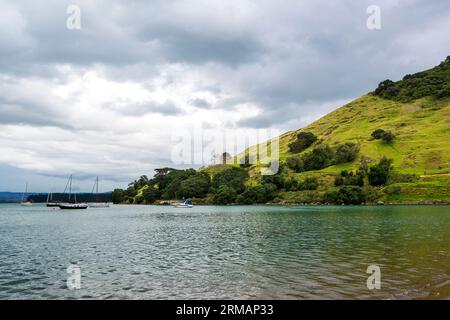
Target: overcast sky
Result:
[106, 99]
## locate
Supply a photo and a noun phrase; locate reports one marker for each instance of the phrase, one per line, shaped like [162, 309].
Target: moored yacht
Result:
[25, 202]
[72, 204]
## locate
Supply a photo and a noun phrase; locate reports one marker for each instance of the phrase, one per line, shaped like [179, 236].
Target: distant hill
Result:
[11, 197]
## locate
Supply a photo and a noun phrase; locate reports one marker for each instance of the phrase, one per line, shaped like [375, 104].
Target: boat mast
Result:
[26, 191]
[70, 187]
[96, 194]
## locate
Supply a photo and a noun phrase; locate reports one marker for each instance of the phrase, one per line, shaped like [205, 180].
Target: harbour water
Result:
[234, 252]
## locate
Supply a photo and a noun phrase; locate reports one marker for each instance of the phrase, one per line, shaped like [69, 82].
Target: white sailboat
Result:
[24, 202]
[72, 204]
[97, 203]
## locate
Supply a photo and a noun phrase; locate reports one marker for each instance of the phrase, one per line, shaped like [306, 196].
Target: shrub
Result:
[296, 163]
[304, 140]
[387, 137]
[378, 134]
[233, 177]
[224, 195]
[119, 196]
[309, 184]
[379, 173]
[321, 157]
[149, 195]
[196, 186]
[345, 195]
[350, 178]
[346, 152]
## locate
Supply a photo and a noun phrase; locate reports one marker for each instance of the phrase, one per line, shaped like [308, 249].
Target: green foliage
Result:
[345, 195]
[304, 140]
[319, 158]
[119, 196]
[224, 195]
[392, 190]
[350, 178]
[378, 134]
[233, 177]
[196, 186]
[310, 183]
[434, 82]
[296, 163]
[149, 195]
[386, 136]
[346, 152]
[257, 194]
[378, 174]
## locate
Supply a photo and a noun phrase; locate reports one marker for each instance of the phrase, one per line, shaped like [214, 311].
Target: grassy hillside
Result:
[420, 121]
[390, 145]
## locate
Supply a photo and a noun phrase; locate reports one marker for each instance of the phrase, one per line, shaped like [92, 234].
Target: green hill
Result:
[390, 145]
[416, 110]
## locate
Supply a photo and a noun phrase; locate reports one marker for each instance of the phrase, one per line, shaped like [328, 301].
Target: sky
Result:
[106, 99]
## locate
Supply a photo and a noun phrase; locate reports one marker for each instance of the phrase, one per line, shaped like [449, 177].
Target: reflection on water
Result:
[150, 252]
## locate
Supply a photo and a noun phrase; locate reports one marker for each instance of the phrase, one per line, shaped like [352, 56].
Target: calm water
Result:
[149, 252]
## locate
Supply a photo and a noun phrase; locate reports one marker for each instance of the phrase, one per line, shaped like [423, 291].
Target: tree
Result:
[257, 194]
[321, 157]
[378, 174]
[233, 177]
[378, 134]
[119, 196]
[149, 195]
[346, 152]
[224, 195]
[345, 195]
[196, 186]
[304, 140]
[387, 137]
[296, 163]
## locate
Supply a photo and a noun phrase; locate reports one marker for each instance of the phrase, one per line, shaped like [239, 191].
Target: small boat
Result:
[50, 201]
[184, 204]
[97, 203]
[72, 204]
[23, 202]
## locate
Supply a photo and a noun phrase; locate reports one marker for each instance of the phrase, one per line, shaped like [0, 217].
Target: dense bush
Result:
[347, 178]
[304, 140]
[257, 194]
[378, 174]
[233, 177]
[346, 152]
[434, 82]
[319, 158]
[308, 184]
[345, 195]
[119, 196]
[386, 136]
[149, 195]
[296, 163]
[196, 186]
[224, 195]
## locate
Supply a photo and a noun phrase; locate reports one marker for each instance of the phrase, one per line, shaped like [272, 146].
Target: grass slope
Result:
[421, 146]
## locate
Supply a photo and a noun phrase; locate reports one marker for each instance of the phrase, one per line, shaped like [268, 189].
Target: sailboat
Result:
[97, 204]
[24, 202]
[50, 201]
[72, 204]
